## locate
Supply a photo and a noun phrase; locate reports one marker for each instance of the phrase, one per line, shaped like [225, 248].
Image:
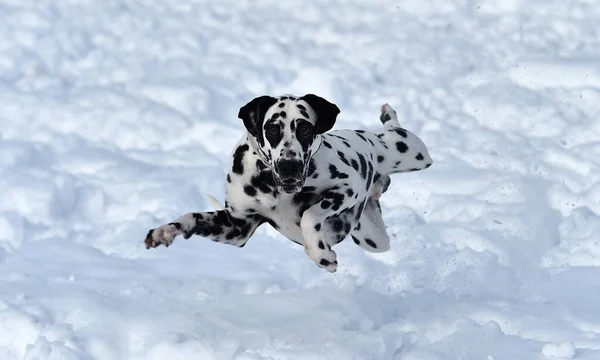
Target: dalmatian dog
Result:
[315, 187]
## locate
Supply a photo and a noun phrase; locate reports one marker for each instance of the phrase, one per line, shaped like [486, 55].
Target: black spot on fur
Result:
[385, 117]
[376, 177]
[235, 233]
[371, 243]
[318, 227]
[354, 164]
[401, 146]
[282, 104]
[272, 223]
[228, 178]
[335, 174]
[401, 132]
[338, 225]
[327, 145]
[361, 136]
[301, 107]
[304, 199]
[260, 165]
[380, 159]
[342, 157]
[222, 218]
[245, 230]
[349, 192]
[356, 241]
[419, 157]
[333, 199]
[369, 175]
[325, 204]
[325, 262]
[238, 157]
[321, 245]
[363, 165]
[250, 190]
[283, 114]
[263, 181]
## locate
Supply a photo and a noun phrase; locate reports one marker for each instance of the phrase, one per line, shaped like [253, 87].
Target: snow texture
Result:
[120, 115]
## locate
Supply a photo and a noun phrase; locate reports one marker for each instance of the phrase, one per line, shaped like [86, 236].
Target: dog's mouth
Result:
[289, 185]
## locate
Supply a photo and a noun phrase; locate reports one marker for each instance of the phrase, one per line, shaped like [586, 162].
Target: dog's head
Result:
[283, 130]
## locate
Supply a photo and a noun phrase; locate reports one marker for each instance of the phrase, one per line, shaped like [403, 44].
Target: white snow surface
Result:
[117, 116]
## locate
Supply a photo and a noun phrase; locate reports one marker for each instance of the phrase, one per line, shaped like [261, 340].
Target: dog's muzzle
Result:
[289, 175]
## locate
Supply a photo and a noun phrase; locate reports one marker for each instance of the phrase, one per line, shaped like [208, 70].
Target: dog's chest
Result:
[284, 213]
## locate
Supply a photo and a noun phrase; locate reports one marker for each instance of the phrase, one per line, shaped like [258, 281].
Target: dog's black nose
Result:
[289, 169]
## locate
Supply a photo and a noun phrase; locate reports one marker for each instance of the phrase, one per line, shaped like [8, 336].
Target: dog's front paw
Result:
[163, 235]
[324, 258]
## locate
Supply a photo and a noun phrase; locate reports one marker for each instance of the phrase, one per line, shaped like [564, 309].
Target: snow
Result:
[564, 350]
[119, 115]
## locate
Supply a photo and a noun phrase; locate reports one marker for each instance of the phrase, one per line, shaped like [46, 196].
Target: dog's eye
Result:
[272, 130]
[304, 131]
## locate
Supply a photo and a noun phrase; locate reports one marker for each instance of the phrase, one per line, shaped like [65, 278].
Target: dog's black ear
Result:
[253, 114]
[326, 112]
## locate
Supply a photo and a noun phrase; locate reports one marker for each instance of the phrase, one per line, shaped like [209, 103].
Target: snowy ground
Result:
[119, 115]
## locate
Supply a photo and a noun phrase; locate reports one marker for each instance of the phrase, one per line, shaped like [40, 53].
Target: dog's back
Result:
[393, 150]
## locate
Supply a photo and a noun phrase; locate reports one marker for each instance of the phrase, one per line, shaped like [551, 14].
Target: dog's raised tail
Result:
[388, 116]
[215, 202]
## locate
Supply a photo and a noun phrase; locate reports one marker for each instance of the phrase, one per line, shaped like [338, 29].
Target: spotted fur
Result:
[315, 187]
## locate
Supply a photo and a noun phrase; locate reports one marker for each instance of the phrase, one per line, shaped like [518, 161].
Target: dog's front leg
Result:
[328, 222]
[223, 226]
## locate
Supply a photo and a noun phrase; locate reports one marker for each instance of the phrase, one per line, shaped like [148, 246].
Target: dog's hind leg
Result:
[399, 150]
[370, 233]
[389, 117]
[380, 186]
